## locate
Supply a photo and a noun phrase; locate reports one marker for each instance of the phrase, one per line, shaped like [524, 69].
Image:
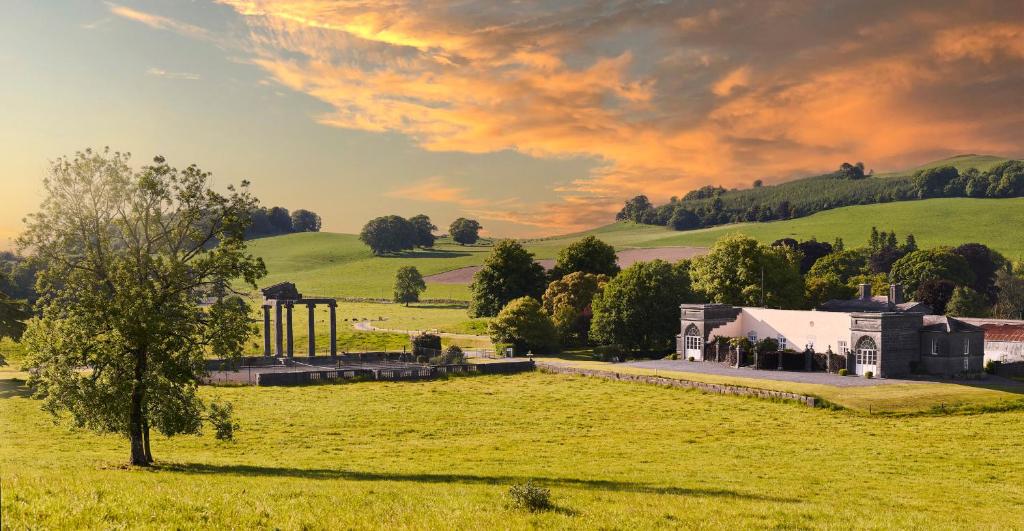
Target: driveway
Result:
[707, 367]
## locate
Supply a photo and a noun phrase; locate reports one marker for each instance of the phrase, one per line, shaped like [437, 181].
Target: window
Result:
[844, 347]
[752, 336]
[935, 346]
[782, 342]
[967, 347]
[867, 351]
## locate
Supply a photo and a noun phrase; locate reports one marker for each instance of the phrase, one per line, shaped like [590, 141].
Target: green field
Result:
[960, 162]
[442, 454]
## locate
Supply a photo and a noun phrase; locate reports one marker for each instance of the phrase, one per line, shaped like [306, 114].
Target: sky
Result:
[534, 117]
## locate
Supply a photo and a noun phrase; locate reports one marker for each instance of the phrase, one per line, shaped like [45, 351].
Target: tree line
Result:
[277, 220]
[392, 234]
[587, 300]
[849, 185]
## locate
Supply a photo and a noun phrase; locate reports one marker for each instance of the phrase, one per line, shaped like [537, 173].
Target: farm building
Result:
[1004, 342]
[887, 337]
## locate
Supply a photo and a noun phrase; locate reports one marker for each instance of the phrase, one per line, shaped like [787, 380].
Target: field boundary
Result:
[710, 388]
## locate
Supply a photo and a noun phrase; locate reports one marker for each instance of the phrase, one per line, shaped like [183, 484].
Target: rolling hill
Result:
[340, 265]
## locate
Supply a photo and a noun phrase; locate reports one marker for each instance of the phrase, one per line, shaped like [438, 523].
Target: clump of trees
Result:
[408, 285]
[123, 258]
[588, 255]
[277, 220]
[849, 185]
[568, 302]
[523, 324]
[465, 231]
[508, 273]
[391, 234]
[739, 270]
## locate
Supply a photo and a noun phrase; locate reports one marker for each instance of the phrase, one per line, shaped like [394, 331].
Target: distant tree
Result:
[935, 293]
[737, 267]
[636, 209]
[568, 301]
[939, 263]
[704, 192]
[281, 220]
[822, 288]
[684, 219]
[305, 221]
[18, 277]
[259, 224]
[842, 264]
[984, 263]
[932, 182]
[638, 309]
[424, 230]
[408, 285]
[1010, 303]
[758, 183]
[125, 257]
[13, 315]
[508, 273]
[851, 171]
[427, 345]
[966, 302]
[465, 231]
[589, 255]
[388, 234]
[523, 323]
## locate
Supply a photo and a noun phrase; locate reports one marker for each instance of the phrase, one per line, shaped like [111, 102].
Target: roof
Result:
[941, 323]
[1004, 332]
[878, 303]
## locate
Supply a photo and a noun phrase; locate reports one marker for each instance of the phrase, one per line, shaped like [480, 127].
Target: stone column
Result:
[291, 334]
[266, 329]
[279, 328]
[334, 329]
[312, 330]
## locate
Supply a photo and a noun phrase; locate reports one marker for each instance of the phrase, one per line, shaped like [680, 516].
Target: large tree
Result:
[923, 265]
[388, 234]
[984, 263]
[638, 310]
[465, 231]
[508, 273]
[408, 285]
[424, 230]
[589, 255]
[1010, 304]
[524, 324]
[124, 258]
[305, 221]
[567, 300]
[738, 270]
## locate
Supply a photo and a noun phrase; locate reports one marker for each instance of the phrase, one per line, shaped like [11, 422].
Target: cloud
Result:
[157, 72]
[664, 97]
[437, 190]
[158, 22]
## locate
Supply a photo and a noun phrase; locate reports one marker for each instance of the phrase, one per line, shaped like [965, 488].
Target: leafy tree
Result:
[984, 263]
[124, 258]
[281, 220]
[758, 183]
[388, 234]
[507, 274]
[305, 221]
[822, 288]
[932, 182]
[568, 301]
[638, 309]
[424, 230]
[935, 293]
[966, 302]
[637, 209]
[737, 267]
[851, 171]
[1010, 303]
[426, 345]
[921, 266]
[842, 264]
[13, 315]
[684, 219]
[465, 231]
[408, 285]
[523, 323]
[589, 255]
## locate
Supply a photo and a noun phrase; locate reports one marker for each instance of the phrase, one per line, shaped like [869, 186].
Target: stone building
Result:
[885, 336]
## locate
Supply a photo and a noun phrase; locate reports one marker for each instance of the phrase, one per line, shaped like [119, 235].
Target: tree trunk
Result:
[136, 419]
[145, 438]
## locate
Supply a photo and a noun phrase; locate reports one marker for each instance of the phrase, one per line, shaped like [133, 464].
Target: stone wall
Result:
[720, 389]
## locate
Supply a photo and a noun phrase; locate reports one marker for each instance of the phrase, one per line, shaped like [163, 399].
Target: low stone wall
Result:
[720, 389]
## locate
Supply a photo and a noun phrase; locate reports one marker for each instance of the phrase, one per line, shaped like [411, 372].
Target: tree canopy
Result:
[923, 265]
[305, 221]
[124, 258]
[508, 273]
[465, 231]
[388, 234]
[408, 285]
[523, 324]
[568, 302]
[13, 314]
[737, 267]
[588, 255]
[424, 230]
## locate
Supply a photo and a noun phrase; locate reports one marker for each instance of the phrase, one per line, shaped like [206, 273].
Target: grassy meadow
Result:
[442, 454]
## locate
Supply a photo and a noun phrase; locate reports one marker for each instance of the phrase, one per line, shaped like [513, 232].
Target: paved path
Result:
[706, 367]
[365, 326]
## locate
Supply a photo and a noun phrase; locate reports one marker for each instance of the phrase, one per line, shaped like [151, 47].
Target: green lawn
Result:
[442, 454]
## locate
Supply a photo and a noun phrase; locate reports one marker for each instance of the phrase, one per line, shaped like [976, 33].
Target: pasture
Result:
[442, 454]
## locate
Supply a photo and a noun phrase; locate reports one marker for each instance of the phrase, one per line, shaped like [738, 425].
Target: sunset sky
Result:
[535, 117]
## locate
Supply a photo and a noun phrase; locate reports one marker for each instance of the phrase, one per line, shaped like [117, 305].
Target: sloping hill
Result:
[960, 162]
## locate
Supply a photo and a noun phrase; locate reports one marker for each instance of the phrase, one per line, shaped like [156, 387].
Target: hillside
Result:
[339, 265]
[960, 162]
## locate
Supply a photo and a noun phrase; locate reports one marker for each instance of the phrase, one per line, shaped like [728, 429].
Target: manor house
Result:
[886, 335]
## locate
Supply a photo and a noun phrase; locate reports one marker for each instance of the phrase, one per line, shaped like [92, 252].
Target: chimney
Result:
[864, 291]
[896, 294]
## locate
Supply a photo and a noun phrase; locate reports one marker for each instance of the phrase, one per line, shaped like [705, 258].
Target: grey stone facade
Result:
[704, 318]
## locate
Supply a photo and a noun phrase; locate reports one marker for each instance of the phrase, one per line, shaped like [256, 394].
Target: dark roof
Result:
[878, 303]
[282, 291]
[941, 323]
[1004, 332]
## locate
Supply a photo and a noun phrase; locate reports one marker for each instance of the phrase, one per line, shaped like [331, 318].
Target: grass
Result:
[960, 162]
[443, 454]
[888, 399]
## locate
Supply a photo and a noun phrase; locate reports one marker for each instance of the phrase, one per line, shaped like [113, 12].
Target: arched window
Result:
[693, 341]
[866, 351]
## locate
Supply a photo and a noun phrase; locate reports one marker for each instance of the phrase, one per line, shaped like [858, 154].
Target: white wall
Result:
[1004, 351]
[799, 327]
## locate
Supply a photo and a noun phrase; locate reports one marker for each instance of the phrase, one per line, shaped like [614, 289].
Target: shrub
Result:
[501, 349]
[692, 358]
[426, 345]
[452, 356]
[843, 372]
[608, 352]
[992, 366]
[673, 356]
[529, 496]
[524, 324]
[221, 417]
[421, 359]
[869, 375]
